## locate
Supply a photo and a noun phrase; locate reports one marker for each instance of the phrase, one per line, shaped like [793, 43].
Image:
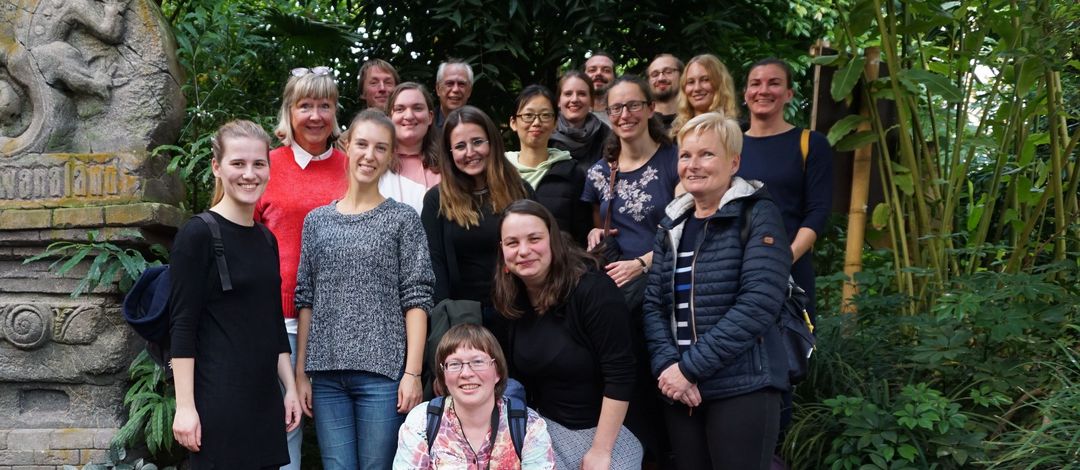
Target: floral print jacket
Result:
[452, 451]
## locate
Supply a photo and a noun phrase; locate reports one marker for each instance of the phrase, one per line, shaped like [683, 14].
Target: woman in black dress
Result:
[229, 348]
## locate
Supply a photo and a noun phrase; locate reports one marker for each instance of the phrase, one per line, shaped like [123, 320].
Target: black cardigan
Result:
[560, 192]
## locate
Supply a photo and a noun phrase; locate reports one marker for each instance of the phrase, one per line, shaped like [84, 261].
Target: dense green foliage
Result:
[963, 352]
[237, 54]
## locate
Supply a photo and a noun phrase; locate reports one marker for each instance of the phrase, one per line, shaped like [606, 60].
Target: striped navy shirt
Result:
[684, 334]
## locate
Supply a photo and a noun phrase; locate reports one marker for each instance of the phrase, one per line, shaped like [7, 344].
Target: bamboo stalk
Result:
[860, 190]
[1055, 181]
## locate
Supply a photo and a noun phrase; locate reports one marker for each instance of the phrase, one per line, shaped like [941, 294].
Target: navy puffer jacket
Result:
[736, 293]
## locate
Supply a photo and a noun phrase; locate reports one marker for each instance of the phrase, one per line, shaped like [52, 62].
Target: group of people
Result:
[629, 261]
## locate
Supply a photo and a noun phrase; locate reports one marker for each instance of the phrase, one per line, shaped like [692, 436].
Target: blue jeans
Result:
[296, 436]
[356, 419]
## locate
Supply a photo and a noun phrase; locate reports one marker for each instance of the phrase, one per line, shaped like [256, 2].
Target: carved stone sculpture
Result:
[85, 75]
[87, 89]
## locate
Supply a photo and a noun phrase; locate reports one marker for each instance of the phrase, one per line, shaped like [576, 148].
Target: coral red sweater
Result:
[291, 193]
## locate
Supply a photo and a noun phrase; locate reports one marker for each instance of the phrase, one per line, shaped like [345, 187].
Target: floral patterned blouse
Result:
[640, 197]
[452, 451]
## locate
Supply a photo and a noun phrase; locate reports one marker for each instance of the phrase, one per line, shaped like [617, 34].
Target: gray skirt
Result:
[571, 445]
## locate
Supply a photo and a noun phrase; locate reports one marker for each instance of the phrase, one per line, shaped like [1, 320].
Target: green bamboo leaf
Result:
[1027, 153]
[825, 60]
[846, 78]
[935, 84]
[856, 140]
[880, 218]
[1030, 70]
[905, 183]
[844, 127]
[976, 214]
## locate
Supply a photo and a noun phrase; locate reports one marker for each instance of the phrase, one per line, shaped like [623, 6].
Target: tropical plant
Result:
[108, 261]
[151, 402]
[976, 162]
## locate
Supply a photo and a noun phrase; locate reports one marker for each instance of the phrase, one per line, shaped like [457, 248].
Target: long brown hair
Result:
[568, 263]
[236, 129]
[504, 185]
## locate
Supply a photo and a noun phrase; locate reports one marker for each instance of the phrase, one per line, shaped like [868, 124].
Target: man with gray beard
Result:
[664, 72]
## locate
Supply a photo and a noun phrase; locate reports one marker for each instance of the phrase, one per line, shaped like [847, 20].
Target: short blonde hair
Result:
[726, 129]
[308, 85]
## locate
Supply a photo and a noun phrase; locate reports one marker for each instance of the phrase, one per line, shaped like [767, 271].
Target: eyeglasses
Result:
[663, 71]
[301, 71]
[478, 365]
[632, 106]
[528, 118]
[463, 146]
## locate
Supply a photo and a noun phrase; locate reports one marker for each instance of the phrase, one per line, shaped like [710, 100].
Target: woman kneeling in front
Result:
[474, 425]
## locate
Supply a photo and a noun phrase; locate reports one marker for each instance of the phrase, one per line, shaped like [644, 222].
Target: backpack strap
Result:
[804, 146]
[219, 250]
[434, 420]
[517, 417]
[266, 234]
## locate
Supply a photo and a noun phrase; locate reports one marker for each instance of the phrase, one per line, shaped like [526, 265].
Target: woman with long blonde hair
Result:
[705, 86]
[228, 344]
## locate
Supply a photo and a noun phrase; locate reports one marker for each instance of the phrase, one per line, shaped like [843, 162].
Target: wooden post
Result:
[860, 189]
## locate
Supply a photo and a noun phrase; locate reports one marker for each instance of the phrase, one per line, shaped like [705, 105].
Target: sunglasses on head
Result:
[301, 71]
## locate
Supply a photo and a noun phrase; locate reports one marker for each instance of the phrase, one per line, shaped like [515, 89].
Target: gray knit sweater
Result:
[359, 274]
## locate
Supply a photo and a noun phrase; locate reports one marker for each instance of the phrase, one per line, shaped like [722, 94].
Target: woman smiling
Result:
[556, 178]
[460, 214]
[568, 340]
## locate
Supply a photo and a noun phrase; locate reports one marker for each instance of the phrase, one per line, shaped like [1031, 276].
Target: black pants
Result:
[737, 433]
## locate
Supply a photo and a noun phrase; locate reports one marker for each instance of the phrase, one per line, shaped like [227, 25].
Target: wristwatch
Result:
[644, 266]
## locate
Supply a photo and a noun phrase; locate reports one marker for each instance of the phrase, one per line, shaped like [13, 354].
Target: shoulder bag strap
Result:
[804, 146]
[611, 191]
[219, 250]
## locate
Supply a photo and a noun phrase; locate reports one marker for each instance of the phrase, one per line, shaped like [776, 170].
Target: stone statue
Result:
[77, 68]
[88, 88]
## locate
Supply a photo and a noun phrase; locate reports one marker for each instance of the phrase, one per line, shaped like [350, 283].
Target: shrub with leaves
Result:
[108, 260]
[151, 403]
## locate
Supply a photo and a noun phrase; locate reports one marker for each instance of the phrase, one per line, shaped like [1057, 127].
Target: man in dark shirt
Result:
[664, 72]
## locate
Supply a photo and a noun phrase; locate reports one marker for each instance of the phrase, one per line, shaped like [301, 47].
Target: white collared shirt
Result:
[303, 158]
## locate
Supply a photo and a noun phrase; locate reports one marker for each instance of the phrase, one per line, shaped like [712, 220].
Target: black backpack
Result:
[517, 417]
[796, 327]
[146, 305]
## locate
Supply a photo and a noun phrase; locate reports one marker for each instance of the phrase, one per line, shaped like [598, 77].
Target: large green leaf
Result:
[880, 218]
[856, 140]
[846, 78]
[844, 127]
[935, 84]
